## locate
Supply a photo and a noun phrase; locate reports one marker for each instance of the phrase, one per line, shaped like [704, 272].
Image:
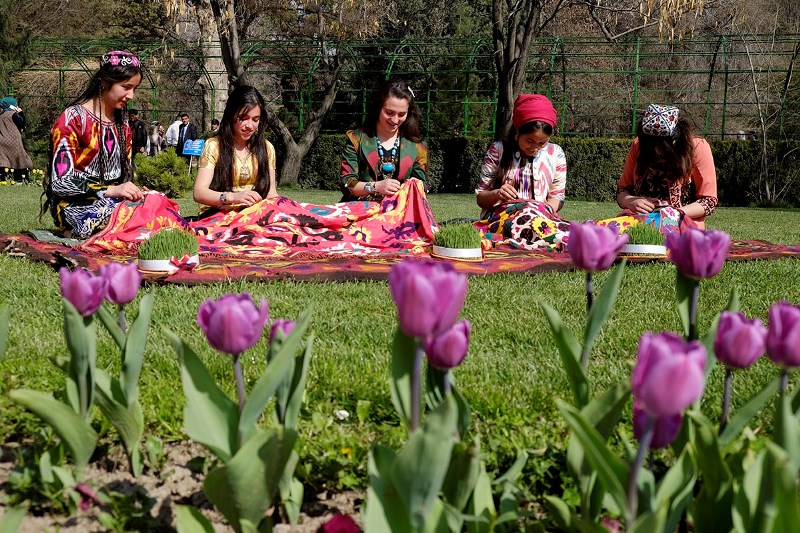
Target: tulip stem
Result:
[589, 292]
[446, 382]
[784, 381]
[693, 311]
[726, 400]
[121, 319]
[239, 376]
[416, 376]
[633, 491]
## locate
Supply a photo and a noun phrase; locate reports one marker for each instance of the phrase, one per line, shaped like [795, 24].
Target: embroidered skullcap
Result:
[119, 57]
[7, 103]
[532, 107]
[660, 120]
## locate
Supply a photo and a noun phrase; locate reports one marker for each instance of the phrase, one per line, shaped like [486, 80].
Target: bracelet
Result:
[223, 198]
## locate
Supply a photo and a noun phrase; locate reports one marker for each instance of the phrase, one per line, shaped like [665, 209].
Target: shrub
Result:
[166, 172]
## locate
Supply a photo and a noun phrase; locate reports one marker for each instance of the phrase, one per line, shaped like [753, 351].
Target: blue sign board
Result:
[193, 147]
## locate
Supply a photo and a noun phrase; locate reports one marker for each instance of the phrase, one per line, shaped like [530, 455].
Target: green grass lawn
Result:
[511, 377]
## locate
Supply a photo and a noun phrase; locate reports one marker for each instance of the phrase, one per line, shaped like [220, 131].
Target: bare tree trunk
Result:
[229, 41]
[214, 80]
[764, 179]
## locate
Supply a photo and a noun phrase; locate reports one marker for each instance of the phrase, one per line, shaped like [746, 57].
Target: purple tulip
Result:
[664, 432]
[698, 254]
[282, 325]
[669, 374]
[83, 289]
[339, 523]
[429, 296]
[122, 282]
[783, 335]
[88, 496]
[739, 341]
[449, 349]
[593, 247]
[233, 323]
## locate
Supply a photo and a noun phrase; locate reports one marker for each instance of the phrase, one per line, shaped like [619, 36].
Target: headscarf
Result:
[532, 107]
[7, 103]
[660, 120]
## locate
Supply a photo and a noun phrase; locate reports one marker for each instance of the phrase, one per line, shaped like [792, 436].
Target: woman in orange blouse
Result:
[668, 165]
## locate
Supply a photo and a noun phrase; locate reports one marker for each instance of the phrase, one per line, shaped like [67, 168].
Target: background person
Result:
[171, 135]
[15, 163]
[90, 172]
[668, 165]
[388, 148]
[186, 131]
[237, 166]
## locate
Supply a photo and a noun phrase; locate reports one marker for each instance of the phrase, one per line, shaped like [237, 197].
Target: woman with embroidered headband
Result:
[668, 165]
[387, 150]
[523, 180]
[237, 166]
[90, 172]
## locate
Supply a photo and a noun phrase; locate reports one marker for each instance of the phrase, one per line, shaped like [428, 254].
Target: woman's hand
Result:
[127, 191]
[641, 204]
[387, 187]
[506, 192]
[247, 198]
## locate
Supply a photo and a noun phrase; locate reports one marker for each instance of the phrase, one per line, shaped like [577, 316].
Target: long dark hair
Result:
[241, 100]
[672, 155]
[511, 145]
[102, 80]
[399, 89]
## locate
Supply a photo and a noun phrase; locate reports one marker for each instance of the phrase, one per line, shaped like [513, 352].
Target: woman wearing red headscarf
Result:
[523, 179]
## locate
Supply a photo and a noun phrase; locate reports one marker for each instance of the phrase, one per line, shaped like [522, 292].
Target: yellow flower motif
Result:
[347, 452]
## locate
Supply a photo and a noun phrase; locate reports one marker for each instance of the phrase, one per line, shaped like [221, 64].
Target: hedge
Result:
[594, 166]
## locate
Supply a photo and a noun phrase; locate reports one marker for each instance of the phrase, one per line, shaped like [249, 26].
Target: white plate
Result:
[164, 265]
[644, 249]
[468, 254]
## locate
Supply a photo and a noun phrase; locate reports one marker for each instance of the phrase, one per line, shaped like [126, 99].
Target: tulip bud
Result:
[739, 342]
[233, 323]
[339, 524]
[429, 296]
[593, 247]
[698, 254]
[665, 430]
[783, 334]
[83, 289]
[669, 374]
[122, 282]
[283, 326]
[449, 349]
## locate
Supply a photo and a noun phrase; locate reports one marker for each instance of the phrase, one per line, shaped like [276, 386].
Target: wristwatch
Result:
[223, 198]
[369, 187]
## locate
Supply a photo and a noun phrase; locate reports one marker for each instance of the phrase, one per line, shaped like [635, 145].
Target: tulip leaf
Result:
[716, 473]
[385, 510]
[209, 416]
[244, 488]
[81, 340]
[76, 433]
[748, 505]
[746, 413]
[4, 314]
[12, 518]
[676, 488]
[515, 470]
[787, 430]
[291, 489]
[601, 307]
[403, 352]
[611, 472]
[127, 420]
[462, 474]
[570, 352]
[651, 521]
[684, 287]
[434, 392]
[420, 468]
[482, 504]
[110, 322]
[191, 520]
[298, 377]
[784, 487]
[134, 349]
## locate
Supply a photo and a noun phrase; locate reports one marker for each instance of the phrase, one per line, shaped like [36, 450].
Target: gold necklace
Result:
[244, 168]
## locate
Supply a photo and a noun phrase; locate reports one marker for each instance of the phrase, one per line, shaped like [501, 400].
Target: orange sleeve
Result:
[629, 169]
[704, 174]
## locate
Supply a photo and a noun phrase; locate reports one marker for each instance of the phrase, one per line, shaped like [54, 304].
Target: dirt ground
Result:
[178, 482]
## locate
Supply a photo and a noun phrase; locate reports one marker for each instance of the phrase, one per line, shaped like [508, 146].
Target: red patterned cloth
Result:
[279, 227]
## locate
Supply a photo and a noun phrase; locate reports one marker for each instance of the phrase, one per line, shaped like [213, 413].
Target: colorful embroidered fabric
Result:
[280, 227]
[526, 225]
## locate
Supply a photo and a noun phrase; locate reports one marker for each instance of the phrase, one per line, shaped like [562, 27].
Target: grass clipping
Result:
[168, 243]
[458, 236]
[644, 234]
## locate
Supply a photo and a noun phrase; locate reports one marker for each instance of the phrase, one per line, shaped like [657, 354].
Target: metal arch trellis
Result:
[598, 87]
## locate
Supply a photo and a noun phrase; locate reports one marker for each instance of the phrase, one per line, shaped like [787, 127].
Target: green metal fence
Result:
[730, 85]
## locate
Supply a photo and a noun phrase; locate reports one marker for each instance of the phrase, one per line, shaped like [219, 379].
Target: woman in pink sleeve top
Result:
[668, 165]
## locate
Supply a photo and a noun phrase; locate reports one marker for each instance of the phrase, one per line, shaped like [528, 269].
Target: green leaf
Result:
[683, 291]
[244, 488]
[362, 410]
[134, 349]
[601, 307]
[515, 470]
[76, 433]
[385, 510]
[716, 474]
[191, 520]
[4, 314]
[676, 487]
[560, 513]
[482, 504]
[12, 519]
[291, 489]
[209, 416]
[611, 472]
[419, 470]
[110, 321]
[784, 487]
[81, 340]
[787, 430]
[403, 349]
[753, 497]
[128, 421]
[650, 522]
[462, 474]
[570, 352]
[298, 383]
[746, 413]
